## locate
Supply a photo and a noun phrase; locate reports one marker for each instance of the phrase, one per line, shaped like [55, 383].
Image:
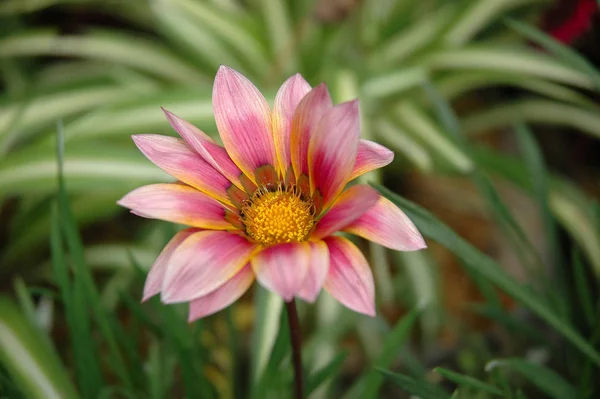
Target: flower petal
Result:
[155, 278]
[370, 156]
[317, 271]
[177, 203]
[243, 118]
[282, 268]
[347, 208]
[350, 280]
[332, 150]
[215, 155]
[177, 159]
[307, 116]
[387, 225]
[203, 263]
[287, 99]
[223, 296]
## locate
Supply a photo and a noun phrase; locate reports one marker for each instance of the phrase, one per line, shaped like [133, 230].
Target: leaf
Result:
[522, 62]
[465, 380]
[545, 379]
[229, 29]
[565, 53]
[268, 311]
[477, 16]
[85, 167]
[84, 288]
[119, 48]
[31, 361]
[325, 373]
[546, 112]
[280, 33]
[422, 389]
[428, 132]
[394, 83]
[368, 385]
[486, 267]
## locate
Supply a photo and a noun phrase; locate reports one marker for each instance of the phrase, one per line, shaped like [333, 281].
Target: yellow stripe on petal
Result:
[287, 99]
[385, 224]
[177, 203]
[243, 119]
[176, 158]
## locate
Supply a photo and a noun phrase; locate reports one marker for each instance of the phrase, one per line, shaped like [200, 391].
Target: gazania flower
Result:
[268, 203]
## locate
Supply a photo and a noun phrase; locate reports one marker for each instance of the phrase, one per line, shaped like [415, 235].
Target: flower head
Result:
[267, 203]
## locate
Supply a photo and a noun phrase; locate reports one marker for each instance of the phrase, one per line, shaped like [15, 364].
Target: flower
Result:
[266, 205]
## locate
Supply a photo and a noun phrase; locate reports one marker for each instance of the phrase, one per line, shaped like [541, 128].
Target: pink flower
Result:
[266, 205]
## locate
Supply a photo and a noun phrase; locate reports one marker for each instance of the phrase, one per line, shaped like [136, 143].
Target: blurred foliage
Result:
[423, 70]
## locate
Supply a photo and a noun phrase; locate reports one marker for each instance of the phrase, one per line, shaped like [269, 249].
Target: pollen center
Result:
[274, 217]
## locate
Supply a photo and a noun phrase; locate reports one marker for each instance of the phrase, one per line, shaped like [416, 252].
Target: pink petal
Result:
[387, 225]
[370, 156]
[243, 118]
[223, 296]
[350, 280]
[203, 263]
[347, 208]
[286, 101]
[215, 155]
[332, 150]
[177, 203]
[306, 118]
[177, 159]
[154, 280]
[317, 271]
[282, 268]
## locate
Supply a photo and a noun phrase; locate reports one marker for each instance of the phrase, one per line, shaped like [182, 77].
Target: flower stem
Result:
[296, 339]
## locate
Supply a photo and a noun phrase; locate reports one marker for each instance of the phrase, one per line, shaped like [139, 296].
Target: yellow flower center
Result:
[274, 217]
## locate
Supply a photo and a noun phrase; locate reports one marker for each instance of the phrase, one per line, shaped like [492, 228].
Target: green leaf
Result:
[30, 360]
[369, 384]
[38, 111]
[84, 288]
[520, 61]
[546, 380]
[394, 83]
[456, 84]
[489, 269]
[422, 389]
[545, 112]
[465, 380]
[280, 32]
[87, 369]
[478, 15]
[325, 373]
[266, 329]
[86, 168]
[565, 53]
[118, 48]
[229, 29]
[411, 39]
[201, 44]
[429, 132]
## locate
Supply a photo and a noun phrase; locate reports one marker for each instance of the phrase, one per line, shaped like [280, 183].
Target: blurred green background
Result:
[491, 107]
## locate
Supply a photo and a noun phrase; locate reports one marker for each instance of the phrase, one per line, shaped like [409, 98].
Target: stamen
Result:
[278, 215]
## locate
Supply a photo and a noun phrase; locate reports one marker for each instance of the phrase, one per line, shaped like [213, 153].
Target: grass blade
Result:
[566, 54]
[483, 265]
[368, 385]
[465, 380]
[84, 287]
[421, 389]
[31, 362]
[325, 373]
[119, 48]
[545, 379]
